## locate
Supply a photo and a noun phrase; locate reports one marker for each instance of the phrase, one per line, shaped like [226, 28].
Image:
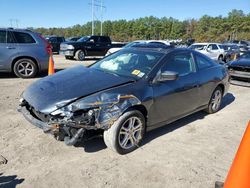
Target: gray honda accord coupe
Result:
[125, 95]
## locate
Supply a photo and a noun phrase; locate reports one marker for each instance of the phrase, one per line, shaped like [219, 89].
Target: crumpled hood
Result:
[52, 92]
[241, 62]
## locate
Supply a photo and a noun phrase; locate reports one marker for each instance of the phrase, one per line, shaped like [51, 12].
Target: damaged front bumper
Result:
[53, 129]
[70, 122]
[34, 121]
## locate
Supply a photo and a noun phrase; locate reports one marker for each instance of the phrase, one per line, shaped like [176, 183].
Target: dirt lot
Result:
[193, 152]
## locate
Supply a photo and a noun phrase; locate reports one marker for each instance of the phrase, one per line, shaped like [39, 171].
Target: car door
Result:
[8, 49]
[91, 47]
[103, 45]
[176, 98]
[208, 77]
[213, 51]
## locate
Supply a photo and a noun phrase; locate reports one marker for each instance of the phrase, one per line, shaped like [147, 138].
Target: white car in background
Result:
[113, 50]
[213, 50]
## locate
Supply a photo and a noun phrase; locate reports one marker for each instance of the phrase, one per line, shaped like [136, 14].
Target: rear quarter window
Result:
[203, 62]
[105, 40]
[23, 38]
[3, 36]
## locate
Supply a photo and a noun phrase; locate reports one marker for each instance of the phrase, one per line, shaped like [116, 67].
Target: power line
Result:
[14, 22]
[96, 4]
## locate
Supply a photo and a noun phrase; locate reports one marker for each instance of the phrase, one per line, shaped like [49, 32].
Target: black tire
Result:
[80, 55]
[113, 135]
[25, 68]
[212, 108]
[220, 58]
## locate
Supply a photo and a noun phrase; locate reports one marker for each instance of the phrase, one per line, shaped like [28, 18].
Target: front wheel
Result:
[220, 58]
[126, 134]
[215, 101]
[80, 55]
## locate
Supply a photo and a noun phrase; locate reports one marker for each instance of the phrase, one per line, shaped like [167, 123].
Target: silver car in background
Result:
[213, 50]
[23, 52]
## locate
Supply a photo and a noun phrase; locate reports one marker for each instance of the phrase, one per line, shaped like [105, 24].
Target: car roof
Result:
[147, 48]
[206, 43]
[17, 29]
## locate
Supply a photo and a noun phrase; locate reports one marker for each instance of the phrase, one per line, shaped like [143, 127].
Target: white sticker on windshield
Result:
[141, 74]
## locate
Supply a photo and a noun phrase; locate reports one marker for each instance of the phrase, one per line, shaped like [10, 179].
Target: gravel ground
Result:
[193, 152]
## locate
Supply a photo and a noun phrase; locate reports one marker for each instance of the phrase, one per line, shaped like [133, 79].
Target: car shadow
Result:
[13, 76]
[97, 144]
[93, 145]
[227, 99]
[9, 181]
[7, 75]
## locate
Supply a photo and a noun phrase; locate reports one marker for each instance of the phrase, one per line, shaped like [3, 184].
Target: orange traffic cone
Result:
[51, 69]
[239, 174]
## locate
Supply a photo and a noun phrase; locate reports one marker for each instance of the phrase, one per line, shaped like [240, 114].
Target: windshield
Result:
[131, 44]
[83, 39]
[129, 63]
[226, 47]
[197, 46]
[246, 55]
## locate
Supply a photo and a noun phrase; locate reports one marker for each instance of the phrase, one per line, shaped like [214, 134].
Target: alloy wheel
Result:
[25, 68]
[130, 133]
[216, 100]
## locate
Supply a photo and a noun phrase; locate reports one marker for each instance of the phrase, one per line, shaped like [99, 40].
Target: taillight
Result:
[48, 47]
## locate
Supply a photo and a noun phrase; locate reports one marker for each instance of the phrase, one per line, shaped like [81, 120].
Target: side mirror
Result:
[167, 76]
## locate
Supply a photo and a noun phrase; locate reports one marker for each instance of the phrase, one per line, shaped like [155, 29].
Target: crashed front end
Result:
[71, 122]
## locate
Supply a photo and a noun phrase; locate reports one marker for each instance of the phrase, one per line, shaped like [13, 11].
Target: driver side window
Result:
[180, 62]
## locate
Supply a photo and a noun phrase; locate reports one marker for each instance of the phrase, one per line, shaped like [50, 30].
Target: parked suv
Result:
[86, 46]
[23, 52]
[55, 42]
[213, 50]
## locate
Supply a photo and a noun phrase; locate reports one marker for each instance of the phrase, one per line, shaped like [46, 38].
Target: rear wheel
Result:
[220, 58]
[215, 101]
[25, 68]
[80, 55]
[126, 134]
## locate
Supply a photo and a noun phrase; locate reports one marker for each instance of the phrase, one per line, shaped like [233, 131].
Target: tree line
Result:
[236, 25]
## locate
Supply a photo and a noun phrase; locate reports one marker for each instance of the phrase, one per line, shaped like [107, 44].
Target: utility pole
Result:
[98, 4]
[17, 21]
[101, 15]
[12, 21]
[93, 24]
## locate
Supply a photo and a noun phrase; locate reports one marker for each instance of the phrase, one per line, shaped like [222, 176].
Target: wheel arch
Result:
[83, 49]
[222, 88]
[24, 57]
[141, 108]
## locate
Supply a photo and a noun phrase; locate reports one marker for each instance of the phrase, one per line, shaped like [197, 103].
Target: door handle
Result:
[10, 48]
